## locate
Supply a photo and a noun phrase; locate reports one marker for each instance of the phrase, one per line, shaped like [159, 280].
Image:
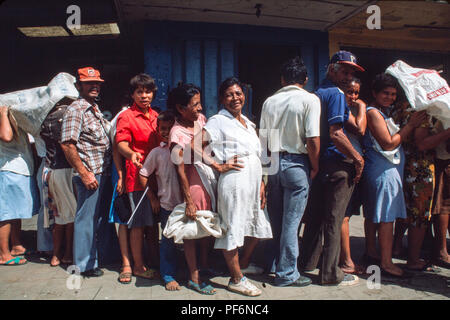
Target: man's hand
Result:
[359, 167]
[89, 180]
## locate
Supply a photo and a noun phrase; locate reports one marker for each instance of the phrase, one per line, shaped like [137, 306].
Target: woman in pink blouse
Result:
[185, 102]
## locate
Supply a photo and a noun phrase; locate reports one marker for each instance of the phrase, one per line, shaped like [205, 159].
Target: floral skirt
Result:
[419, 187]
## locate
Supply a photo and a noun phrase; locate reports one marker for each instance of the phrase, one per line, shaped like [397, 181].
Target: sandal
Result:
[15, 262]
[358, 270]
[150, 274]
[124, 277]
[203, 288]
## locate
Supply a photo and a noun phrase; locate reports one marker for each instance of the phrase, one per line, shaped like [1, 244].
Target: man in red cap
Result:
[87, 147]
[341, 168]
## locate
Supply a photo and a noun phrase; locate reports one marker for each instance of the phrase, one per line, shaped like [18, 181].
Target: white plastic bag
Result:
[180, 227]
[31, 106]
[425, 90]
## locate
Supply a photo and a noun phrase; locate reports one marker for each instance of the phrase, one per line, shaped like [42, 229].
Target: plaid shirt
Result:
[88, 130]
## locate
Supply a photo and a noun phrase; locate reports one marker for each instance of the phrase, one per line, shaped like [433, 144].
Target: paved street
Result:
[38, 281]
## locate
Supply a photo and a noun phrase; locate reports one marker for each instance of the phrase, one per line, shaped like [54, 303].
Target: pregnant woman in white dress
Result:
[236, 154]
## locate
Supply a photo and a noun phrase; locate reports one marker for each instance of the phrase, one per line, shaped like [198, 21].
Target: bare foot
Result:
[172, 286]
[419, 264]
[55, 261]
[392, 269]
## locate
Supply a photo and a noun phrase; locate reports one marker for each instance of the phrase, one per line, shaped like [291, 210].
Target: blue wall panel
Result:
[158, 64]
[178, 65]
[210, 77]
[205, 54]
[227, 60]
[193, 62]
[308, 59]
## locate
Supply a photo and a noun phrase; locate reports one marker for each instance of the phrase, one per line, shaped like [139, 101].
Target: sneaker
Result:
[252, 269]
[349, 280]
[301, 282]
[244, 287]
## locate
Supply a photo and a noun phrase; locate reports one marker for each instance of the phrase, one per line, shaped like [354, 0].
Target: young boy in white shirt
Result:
[158, 163]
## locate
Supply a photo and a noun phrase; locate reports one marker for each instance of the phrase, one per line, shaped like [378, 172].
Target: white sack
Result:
[180, 227]
[31, 106]
[425, 90]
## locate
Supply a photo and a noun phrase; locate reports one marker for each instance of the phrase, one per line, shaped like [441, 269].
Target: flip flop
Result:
[359, 270]
[203, 288]
[16, 262]
[150, 274]
[125, 277]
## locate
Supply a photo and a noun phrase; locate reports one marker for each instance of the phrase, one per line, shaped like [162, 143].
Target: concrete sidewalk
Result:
[38, 281]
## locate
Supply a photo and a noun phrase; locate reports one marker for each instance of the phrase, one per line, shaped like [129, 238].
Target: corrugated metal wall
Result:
[205, 54]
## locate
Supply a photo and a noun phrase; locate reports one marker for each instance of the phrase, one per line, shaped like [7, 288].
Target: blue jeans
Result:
[287, 197]
[44, 235]
[167, 252]
[94, 238]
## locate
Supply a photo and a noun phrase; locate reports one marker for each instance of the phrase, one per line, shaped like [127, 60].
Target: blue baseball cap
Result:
[347, 58]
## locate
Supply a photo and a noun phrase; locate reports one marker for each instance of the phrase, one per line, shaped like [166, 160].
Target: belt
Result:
[284, 153]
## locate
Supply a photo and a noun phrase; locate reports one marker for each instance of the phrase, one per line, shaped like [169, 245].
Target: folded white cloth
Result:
[209, 181]
[180, 227]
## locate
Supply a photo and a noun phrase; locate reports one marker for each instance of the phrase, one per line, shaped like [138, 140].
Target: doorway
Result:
[259, 66]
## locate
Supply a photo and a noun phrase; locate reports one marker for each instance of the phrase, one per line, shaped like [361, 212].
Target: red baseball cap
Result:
[89, 74]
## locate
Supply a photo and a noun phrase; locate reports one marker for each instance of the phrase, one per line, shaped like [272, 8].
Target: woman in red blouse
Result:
[136, 136]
